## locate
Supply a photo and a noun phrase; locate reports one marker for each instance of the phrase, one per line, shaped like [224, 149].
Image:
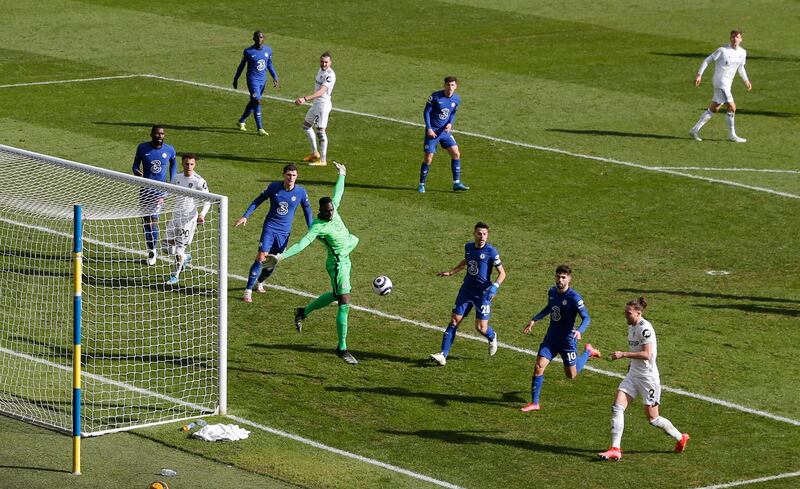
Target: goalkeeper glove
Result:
[341, 168]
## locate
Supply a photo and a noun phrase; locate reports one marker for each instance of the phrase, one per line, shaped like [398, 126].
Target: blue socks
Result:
[489, 333]
[447, 339]
[247, 111]
[582, 360]
[151, 234]
[423, 172]
[536, 387]
[258, 115]
[255, 270]
[455, 166]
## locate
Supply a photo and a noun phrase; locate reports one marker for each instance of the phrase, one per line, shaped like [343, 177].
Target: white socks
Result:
[323, 145]
[311, 138]
[731, 125]
[617, 424]
[666, 425]
[702, 121]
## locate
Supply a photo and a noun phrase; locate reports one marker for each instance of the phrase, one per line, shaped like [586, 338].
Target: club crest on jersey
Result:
[564, 302]
[294, 198]
[452, 104]
[163, 155]
[482, 256]
[327, 79]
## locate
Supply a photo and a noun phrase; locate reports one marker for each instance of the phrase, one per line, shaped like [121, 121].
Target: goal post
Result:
[150, 351]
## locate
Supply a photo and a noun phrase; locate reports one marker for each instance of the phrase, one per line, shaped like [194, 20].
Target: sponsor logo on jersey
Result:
[327, 79]
[646, 333]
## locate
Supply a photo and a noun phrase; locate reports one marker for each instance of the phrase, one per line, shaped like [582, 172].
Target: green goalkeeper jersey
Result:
[334, 234]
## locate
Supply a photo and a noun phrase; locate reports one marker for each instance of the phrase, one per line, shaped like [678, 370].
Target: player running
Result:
[258, 59]
[642, 380]
[728, 60]
[439, 116]
[185, 218]
[284, 197]
[563, 305]
[153, 160]
[329, 228]
[478, 291]
[319, 111]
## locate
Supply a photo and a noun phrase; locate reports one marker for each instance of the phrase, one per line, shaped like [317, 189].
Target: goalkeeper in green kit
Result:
[329, 228]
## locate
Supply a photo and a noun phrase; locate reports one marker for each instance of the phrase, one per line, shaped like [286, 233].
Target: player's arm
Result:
[535, 319]
[426, 116]
[461, 265]
[338, 189]
[711, 57]
[273, 73]
[319, 93]
[201, 218]
[307, 212]
[138, 161]
[239, 70]
[501, 276]
[645, 354]
[585, 320]
[173, 167]
[253, 206]
[743, 74]
[296, 248]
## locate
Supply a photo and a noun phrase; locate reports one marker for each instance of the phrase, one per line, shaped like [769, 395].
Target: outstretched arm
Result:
[338, 188]
[461, 265]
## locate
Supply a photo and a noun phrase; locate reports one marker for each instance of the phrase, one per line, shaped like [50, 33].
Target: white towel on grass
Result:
[221, 432]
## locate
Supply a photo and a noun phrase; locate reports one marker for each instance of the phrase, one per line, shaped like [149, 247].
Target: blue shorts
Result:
[467, 299]
[273, 242]
[256, 89]
[566, 347]
[446, 139]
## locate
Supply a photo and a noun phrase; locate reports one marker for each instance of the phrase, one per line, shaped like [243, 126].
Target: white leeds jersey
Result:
[640, 334]
[727, 61]
[325, 78]
[185, 206]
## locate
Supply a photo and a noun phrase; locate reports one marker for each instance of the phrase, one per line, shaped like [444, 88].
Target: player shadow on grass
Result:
[786, 59]
[404, 188]
[590, 132]
[273, 373]
[474, 437]
[709, 295]
[177, 127]
[755, 308]
[360, 354]
[441, 399]
[223, 157]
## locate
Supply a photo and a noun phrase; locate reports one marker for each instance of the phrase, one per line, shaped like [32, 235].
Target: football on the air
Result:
[382, 285]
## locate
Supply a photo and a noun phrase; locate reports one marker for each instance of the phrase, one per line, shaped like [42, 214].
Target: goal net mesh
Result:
[150, 350]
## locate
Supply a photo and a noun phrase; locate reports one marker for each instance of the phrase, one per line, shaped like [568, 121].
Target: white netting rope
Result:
[150, 350]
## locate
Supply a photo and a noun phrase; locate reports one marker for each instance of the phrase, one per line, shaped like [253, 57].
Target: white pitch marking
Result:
[344, 453]
[704, 168]
[526, 351]
[786, 475]
[74, 80]
[658, 169]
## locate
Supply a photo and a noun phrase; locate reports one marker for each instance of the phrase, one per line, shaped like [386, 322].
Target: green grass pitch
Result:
[573, 131]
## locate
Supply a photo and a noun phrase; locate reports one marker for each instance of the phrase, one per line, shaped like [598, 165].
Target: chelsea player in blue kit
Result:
[477, 291]
[563, 305]
[258, 59]
[284, 197]
[439, 116]
[153, 160]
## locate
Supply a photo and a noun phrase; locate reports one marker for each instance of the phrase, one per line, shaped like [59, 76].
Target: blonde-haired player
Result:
[319, 111]
[728, 60]
[185, 217]
[642, 380]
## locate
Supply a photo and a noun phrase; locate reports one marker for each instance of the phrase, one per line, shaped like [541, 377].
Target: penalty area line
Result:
[527, 351]
[786, 475]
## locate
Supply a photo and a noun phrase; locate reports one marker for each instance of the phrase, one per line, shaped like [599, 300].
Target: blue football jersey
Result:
[441, 110]
[282, 206]
[154, 163]
[258, 62]
[480, 262]
[563, 309]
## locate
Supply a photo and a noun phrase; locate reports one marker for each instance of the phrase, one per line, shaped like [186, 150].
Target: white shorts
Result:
[318, 113]
[649, 388]
[181, 229]
[722, 95]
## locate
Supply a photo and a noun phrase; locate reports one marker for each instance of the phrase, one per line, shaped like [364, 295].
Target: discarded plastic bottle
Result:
[194, 424]
[168, 472]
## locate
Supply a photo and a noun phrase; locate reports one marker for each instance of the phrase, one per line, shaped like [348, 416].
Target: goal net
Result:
[151, 351]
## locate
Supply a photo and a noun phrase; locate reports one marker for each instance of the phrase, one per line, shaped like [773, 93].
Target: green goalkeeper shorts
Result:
[339, 270]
